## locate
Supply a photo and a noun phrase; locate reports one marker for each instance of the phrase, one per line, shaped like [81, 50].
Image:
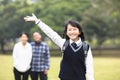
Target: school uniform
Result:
[74, 65]
[22, 56]
[73, 62]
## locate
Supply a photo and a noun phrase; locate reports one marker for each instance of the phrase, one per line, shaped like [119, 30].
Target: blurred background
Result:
[100, 20]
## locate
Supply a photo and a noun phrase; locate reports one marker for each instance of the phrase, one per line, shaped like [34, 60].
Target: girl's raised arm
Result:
[47, 30]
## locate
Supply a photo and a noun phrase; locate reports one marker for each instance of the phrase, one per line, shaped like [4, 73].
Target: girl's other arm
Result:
[89, 65]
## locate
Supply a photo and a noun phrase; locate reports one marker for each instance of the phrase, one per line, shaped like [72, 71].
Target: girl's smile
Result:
[73, 33]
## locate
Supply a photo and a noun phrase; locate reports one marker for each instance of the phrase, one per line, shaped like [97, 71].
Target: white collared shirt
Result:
[59, 41]
[79, 42]
[22, 56]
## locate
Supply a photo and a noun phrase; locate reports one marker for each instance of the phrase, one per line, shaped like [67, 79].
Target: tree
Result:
[12, 23]
[103, 18]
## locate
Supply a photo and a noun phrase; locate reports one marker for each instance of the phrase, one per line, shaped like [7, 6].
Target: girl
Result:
[74, 65]
[22, 55]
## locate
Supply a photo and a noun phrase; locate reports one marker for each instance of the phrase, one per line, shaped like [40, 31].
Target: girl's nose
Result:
[72, 31]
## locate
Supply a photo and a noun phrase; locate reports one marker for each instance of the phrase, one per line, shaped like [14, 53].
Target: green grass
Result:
[105, 68]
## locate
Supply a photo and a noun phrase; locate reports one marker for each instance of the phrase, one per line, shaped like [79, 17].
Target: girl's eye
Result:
[71, 29]
[74, 29]
[68, 29]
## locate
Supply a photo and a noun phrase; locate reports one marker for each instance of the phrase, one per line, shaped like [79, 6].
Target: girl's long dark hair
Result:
[74, 24]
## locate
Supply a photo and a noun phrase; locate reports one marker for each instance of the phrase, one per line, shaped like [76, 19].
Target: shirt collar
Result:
[37, 43]
[77, 42]
[25, 45]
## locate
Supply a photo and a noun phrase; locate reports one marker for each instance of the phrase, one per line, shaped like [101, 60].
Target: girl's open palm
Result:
[32, 18]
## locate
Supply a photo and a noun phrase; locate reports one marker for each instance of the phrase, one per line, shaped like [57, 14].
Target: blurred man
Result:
[40, 58]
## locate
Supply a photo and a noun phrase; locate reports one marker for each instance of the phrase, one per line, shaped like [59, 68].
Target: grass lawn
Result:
[105, 68]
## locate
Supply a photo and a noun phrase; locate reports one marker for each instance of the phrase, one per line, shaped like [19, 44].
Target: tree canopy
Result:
[100, 19]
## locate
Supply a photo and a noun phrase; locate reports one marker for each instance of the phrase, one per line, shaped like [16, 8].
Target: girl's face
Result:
[73, 32]
[24, 38]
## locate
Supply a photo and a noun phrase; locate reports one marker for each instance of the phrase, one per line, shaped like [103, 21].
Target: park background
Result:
[100, 20]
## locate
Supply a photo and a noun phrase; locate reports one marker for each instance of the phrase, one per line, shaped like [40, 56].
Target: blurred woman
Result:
[22, 56]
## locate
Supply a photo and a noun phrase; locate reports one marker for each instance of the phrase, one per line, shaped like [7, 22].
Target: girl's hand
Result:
[32, 18]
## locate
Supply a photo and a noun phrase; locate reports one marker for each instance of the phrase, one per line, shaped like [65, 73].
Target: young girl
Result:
[74, 65]
[22, 56]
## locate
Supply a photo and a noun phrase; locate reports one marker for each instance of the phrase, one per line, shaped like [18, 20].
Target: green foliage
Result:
[99, 21]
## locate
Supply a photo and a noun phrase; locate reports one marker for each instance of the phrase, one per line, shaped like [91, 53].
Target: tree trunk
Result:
[2, 47]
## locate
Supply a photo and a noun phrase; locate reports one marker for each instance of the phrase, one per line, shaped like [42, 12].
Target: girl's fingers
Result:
[26, 18]
[30, 18]
[33, 15]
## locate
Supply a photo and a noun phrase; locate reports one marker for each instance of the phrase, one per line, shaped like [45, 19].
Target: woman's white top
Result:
[22, 56]
[60, 41]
